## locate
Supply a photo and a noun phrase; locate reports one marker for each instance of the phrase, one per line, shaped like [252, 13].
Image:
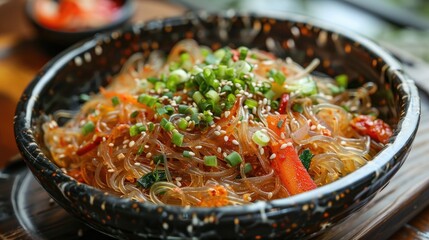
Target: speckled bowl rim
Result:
[408, 123]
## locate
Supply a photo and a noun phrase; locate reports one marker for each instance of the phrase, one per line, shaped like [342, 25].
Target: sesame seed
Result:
[178, 178]
[222, 132]
[198, 147]
[226, 138]
[217, 133]
[261, 151]
[218, 128]
[104, 139]
[191, 153]
[131, 144]
[283, 136]
[224, 154]
[313, 127]
[235, 142]
[146, 146]
[270, 195]
[227, 113]
[126, 141]
[219, 149]
[343, 142]
[137, 164]
[283, 146]
[120, 156]
[179, 184]
[273, 156]
[148, 155]
[110, 170]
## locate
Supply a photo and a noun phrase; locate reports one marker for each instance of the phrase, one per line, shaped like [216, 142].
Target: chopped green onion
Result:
[137, 129]
[183, 109]
[153, 80]
[261, 138]
[182, 124]
[305, 86]
[243, 52]
[161, 110]
[342, 80]
[179, 75]
[233, 159]
[88, 128]
[229, 73]
[187, 154]
[157, 159]
[115, 101]
[270, 94]
[212, 94]
[151, 126]
[177, 138]
[166, 125]
[247, 168]
[210, 161]
[198, 97]
[297, 107]
[275, 104]
[159, 86]
[251, 103]
[242, 67]
[277, 76]
[147, 99]
[134, 114]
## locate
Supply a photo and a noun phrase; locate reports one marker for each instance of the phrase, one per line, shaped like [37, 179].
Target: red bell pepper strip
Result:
[286, 162]
[284, 99]
[376, 129]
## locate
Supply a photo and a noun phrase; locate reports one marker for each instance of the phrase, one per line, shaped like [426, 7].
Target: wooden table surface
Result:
[21, 57]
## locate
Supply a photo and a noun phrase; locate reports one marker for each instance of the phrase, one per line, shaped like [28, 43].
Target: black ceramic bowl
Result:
[87, 66]
[65, 38]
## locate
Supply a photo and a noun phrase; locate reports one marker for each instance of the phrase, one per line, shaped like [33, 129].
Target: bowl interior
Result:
[87, 66]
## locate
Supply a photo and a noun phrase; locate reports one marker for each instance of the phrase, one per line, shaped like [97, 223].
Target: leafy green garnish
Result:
[306, 157]
[150, 178]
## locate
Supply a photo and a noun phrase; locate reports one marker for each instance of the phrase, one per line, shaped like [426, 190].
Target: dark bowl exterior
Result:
[66, 38]
[89, 65]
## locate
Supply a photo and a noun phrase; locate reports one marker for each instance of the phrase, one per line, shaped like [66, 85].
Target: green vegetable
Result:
[248, 167]
[177, 138]
[233, 159]
[88, 128]
[187, 154]
[210, 161]
[84, 97]
[134, 114]
[157, 159]
[305, 86]
[306, 157]
[166, 125]
[140, 151]
[251, 103]
[182, 124]
[147, 180]
[137, 129]
[261, 138]
[277, 76]
[342, 81]
[243, 52]
[297, 107]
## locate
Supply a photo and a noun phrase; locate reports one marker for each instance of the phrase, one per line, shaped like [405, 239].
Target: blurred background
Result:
[398, 24]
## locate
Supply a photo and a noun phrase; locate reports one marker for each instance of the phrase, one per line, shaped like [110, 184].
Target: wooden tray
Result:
[27, 212]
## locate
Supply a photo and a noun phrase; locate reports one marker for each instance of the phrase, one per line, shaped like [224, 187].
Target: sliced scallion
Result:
[88, 128]
[261, 138]
[233, 159]
[177, 138]
[210, 161]
[247, 168]
[182, 124]
[115, 101]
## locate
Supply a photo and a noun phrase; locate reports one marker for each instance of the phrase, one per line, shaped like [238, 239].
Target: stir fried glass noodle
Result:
[214, 128]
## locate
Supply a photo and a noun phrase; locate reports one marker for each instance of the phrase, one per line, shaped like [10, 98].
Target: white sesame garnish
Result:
[198, 147]
[343, 142]
[191, 153]
[137, 164]
[110, 170]
[226, 138]
[148, 155]
[227, 113]
[217, 133]
[313, 127]
[283, 146]
[120, 156]
[261, 151]
[131, 144]
[235, 142]
[273, 156]
[222, 132]
[126, 141]
[219, 149]
[283, 136]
